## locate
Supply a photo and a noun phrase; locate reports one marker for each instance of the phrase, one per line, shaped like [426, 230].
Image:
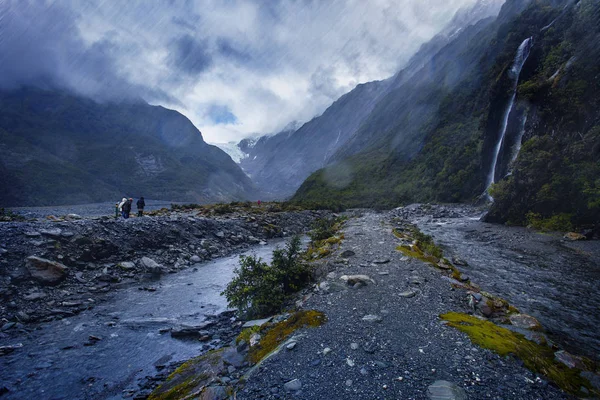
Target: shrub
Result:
[558, 222]
[259, 289]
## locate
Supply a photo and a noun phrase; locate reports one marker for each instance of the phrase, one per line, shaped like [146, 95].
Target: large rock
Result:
[525, 321]
[46, 271]
[151, 266]
[354, 279]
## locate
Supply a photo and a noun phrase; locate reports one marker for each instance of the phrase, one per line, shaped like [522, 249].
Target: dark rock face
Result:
[104, 151]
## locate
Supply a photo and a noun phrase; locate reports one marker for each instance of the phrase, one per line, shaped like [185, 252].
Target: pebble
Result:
[326, 351]
[408, 293]
[444, 390]
[291, 345]
[293, 386]
[354, 346]
[372, 318]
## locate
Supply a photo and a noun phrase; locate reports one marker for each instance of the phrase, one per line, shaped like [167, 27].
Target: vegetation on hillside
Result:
[557, 170]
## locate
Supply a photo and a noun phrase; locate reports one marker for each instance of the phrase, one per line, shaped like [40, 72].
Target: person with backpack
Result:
[140, 206]
[127, 208]
[121, 204]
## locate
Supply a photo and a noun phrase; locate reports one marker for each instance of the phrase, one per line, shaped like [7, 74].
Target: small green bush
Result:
[259, 289]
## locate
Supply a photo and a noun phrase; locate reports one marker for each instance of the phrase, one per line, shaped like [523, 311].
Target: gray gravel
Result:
[401, 353]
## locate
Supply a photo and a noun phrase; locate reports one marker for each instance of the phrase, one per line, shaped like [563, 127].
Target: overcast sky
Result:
[234, 67]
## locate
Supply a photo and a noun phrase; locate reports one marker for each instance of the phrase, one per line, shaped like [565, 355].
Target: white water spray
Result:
[515, 71]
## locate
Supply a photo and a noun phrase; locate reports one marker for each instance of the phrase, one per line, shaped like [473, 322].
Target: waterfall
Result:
[514, 72]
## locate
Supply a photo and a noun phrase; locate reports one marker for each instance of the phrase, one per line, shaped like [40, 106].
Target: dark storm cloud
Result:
[190, 55]
[44, 48]
[238, 66]
[227, 49]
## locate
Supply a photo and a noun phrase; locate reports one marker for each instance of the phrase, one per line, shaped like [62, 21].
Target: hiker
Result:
[121, 204]
[117, 210]
[140, 206]
[127, 208]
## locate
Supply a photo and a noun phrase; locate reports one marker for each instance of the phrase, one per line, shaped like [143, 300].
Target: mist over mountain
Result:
[279, 163]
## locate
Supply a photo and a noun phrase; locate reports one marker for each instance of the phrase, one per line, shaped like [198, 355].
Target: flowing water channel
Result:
[54, 364]
[543, 275]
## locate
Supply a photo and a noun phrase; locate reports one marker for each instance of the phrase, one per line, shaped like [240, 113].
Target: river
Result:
[553, 279]
[54, 363]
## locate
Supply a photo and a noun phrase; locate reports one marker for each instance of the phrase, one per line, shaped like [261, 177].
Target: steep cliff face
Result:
[469, 114]
[56, 148]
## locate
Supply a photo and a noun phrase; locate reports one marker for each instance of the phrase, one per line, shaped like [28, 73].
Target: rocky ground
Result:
[385, 340]
[54, 268]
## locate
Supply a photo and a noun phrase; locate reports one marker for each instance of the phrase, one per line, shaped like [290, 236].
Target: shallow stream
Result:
[555, 280]
[54, 363]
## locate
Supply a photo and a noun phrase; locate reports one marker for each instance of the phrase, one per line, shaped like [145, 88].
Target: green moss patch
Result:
[537, 358]
[190, 378]
[279, 332]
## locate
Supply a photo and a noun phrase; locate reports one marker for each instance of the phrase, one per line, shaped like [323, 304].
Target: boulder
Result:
[151, 266]
[195, 259]
[46, 271]
[525, 321]
[574, 236]
[354, 279]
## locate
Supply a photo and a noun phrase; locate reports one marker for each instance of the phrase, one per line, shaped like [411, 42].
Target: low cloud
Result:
[235, 68]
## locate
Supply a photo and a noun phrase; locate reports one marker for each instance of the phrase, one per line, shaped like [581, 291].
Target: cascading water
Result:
[515, 71]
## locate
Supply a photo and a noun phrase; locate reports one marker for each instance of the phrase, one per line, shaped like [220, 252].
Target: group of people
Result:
[124, 207]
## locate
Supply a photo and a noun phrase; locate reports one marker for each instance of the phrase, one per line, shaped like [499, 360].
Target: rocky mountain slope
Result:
[57, 148]
[462, 118]
[279, 163]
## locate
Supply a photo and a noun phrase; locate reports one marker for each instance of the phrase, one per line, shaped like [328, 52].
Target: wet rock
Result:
[293, 386]
[151, 266]
[187, 331]
[347, 254]
[232, 357]
[46, 271]
[444, 390]
[574, 236]
[351, 280]
[525, 321]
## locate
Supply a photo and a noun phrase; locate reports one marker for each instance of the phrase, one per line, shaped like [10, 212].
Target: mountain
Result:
[279, 163]
[59, 148]
[512, 102]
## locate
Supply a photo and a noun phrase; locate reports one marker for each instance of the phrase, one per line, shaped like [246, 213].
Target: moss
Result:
[189, 378]
[537, 358]
[415, 252]
[246, 334]
[279, 332]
